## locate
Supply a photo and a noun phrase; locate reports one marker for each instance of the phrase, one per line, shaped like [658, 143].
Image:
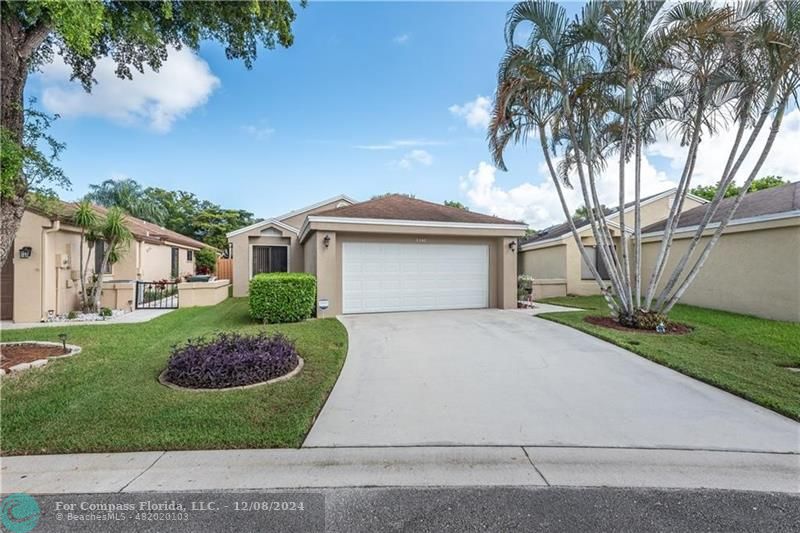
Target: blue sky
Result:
[371, 98]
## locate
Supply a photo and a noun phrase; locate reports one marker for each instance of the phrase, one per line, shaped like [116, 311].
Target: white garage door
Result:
[413, 277]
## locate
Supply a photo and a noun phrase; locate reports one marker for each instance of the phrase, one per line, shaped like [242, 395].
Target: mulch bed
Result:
[25, 353]
[673, 328]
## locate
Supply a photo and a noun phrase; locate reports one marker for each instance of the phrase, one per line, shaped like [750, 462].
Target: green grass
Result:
[741, 354]
[108, 399]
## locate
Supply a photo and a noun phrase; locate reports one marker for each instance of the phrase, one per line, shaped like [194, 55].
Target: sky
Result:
[371, 98]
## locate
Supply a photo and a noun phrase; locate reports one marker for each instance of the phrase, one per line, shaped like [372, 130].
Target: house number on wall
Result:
[421, 239]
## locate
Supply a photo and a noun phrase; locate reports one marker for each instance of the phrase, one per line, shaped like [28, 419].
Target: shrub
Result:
[230, 360]
[106, 312]
[282, 297]
[205, 260]
[72, 315]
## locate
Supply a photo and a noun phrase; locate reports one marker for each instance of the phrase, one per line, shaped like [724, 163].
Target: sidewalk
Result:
[399, 467]
[134, 317]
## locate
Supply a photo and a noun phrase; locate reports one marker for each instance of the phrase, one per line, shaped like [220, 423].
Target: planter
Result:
[36, 363]
[163, 380]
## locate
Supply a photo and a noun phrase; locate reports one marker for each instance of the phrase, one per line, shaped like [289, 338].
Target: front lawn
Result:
[108, 399]
[741, 354]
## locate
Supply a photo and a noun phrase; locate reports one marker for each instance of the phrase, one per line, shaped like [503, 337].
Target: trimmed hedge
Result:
[283, 297]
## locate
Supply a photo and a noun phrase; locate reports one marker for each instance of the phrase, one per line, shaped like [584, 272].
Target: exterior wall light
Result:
[25, 252]
[512, 246]
[326, 240]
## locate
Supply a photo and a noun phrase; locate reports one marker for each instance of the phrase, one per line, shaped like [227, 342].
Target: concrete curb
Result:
[406, 466]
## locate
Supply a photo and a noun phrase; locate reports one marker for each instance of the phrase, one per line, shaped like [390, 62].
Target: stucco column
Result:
[328, 274]
[507, 273]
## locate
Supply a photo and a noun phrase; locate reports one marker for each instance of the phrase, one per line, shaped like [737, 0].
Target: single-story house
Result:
[392, 253]
[552, 257]
[42, 277]
[754, 269]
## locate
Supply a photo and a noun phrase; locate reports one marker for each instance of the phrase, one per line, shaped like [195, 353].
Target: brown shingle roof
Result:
[401, 207]
[783, 199]
[141, 229]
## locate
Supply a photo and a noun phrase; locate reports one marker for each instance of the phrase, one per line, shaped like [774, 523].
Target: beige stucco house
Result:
[755, 267]
[392, 253]
[42, 277]
[552, 257]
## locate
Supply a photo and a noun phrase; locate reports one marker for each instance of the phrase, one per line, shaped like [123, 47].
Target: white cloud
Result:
[401, 39]
[539, 206]
[415, 157]
[399, 143]
[475, 112]
[713, 154]
[259, 132]
[157, 99]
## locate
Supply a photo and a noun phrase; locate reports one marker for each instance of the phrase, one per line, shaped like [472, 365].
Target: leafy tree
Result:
[206, 261]
[710, 191]
[582, 213]
[767, 182]
[129, 196]
[132, 34]
[456, 204]
[597, 89]
[384, 195]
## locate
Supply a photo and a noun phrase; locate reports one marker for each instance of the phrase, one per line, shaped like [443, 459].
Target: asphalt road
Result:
[431, 509]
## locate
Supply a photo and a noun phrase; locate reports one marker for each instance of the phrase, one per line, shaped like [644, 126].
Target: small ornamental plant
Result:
[230, 360]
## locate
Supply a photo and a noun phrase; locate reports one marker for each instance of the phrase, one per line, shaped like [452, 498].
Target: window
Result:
[597, 259]
[99, 253]
[270, 259]
[174, 271]
[189, 255]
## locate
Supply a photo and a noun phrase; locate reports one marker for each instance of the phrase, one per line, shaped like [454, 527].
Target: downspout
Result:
[56, 226]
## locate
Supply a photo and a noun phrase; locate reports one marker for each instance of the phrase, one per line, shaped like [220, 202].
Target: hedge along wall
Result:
[282, 297]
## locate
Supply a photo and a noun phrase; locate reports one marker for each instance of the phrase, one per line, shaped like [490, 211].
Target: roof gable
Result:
[401, 207]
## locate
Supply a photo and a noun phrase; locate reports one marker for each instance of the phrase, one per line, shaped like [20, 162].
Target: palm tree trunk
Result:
[666, 242]
[728, 176]
[637, 216]
[604, 290]
[776, 124]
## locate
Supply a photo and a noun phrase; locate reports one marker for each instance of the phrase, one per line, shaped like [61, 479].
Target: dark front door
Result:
[175, 258]
[7, 289]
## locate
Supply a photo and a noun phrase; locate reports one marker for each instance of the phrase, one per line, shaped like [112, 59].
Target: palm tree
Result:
[128, 195]
[85, 217]
[608, 83]
[116, 236]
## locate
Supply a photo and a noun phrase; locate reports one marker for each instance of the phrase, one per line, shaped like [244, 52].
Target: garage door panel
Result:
[407, 276]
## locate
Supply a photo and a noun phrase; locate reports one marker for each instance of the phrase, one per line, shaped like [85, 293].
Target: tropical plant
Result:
[231, 360]
[85, 217]
[128, 195]
[599, 89]
[132, 34]
[116, 237]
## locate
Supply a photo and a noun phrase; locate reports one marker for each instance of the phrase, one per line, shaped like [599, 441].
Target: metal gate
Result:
[156, 295]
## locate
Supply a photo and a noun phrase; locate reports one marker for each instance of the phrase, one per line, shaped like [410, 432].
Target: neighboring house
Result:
[392, 253]
[42, 277]
[754, 269]
[553, 259]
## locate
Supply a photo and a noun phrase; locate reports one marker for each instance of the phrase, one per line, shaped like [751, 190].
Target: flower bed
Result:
[18, 356]
[231, 360]
[104, 314]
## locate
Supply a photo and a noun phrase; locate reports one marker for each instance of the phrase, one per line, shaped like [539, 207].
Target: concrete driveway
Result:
[490, 377]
